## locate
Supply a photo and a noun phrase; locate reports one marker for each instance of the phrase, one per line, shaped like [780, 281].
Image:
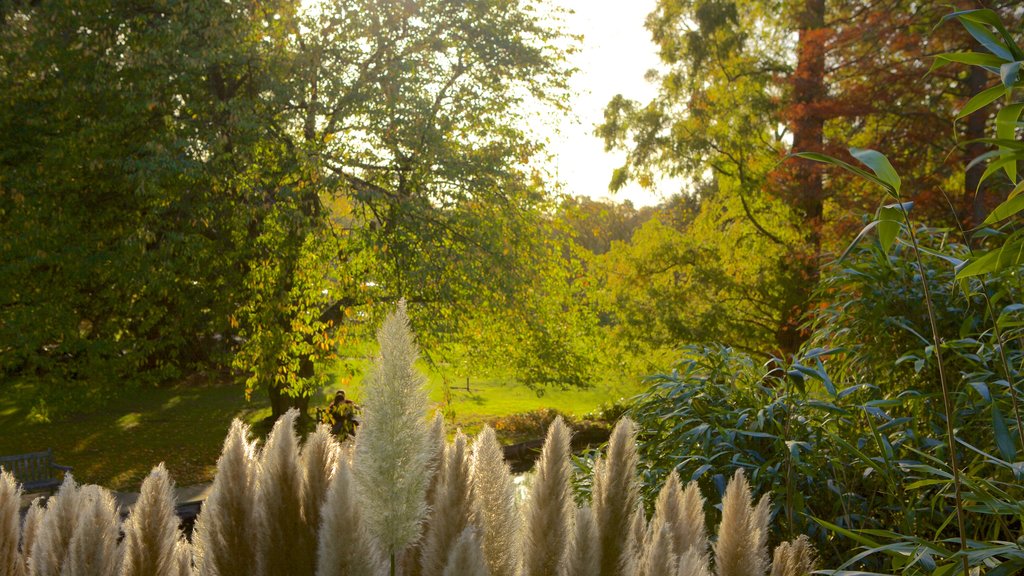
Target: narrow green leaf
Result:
[1006, 129]
[880, 165]
[987, 39]
[1003, 440]
[989, 17]
[1008, 208]
[1009, 73]
[826, 159]
[980, 100]
[971, 58]
[860, 235]
[890, 220]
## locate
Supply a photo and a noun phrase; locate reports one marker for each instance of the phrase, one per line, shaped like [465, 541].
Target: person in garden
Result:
[341, 415]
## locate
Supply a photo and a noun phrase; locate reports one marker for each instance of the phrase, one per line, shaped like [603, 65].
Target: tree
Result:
[184, 175]
[744, 84]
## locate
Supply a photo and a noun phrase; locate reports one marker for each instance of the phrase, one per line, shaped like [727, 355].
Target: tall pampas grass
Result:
[659, 558]
[550, 506]
[10, 520]
[93, 547]
[50, 542]
[223, 533]
[795, 558]
[582, 557]
[452, 509]
[693, 563]
[284, 546]
[345, 547]
[683, 510]
[616, 498]
[467, 557]
[29, 529]
[318, 459]
[151, 530]
[494, 505]
[742, 536]
[412, 559]
[393, 456]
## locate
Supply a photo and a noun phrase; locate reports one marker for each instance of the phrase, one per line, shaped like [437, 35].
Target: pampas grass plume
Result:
[412, 559]
[452, 509]
[10, 520]
[223, 532]
[693, 563]
[659, 557]
[467, 558]
[319, 457]
[283, 543]
[582, 558]
[393, 454]
[51, 539]
[494, 505]
[92, 550]
[740, 548]
[151, 531]
[550, 506]
[345, 548]
[795, 558]
[29, 529]
[616, 498]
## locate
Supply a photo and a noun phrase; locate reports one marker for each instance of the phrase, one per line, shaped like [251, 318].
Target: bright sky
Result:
[616, 53]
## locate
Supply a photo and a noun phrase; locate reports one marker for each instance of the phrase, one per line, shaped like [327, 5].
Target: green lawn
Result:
[184, 425]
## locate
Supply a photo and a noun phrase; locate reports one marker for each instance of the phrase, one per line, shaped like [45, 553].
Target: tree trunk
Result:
[806, 189]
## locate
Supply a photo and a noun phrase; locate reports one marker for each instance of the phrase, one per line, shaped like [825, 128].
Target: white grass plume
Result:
[616, 497]
[282, 533]
[183, 558]
[683, 510]
[29, 529]
[636, 546]
[10, 529]
[345, 548]
[693, 563]
[318, 458]
[151, 530]
[50, 543]
[659, 557]
[93, 547]
[413, 557]
[467, 557]
[740, 548]
[223, 536]
[795, 558]
[452, 511]
[582, 558]
[494, 505]
[392, 457]
[550, 507]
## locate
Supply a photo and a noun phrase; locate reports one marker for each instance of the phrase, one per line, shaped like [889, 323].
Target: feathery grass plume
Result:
[740, 548]
[183, 558]
[50, 543]
[393, 454]
[467, 557]
[690, 528]
[494, 505]
[582, 558]
[795, 558]
[222, 538]
[92, 550]
[282, 534]
[318, 458]
[345, 548]
[638, 536]
[659, 557]
[151, 530]
[616, 503]
[452, 510]
[10, 529]
[413, 557]
[29, 529]
[550, 507]
[693, 563]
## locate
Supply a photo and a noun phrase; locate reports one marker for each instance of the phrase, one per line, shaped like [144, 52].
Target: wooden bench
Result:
[35, 470]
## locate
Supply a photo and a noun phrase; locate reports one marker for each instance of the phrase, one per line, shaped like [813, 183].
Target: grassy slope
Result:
[184, 425]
